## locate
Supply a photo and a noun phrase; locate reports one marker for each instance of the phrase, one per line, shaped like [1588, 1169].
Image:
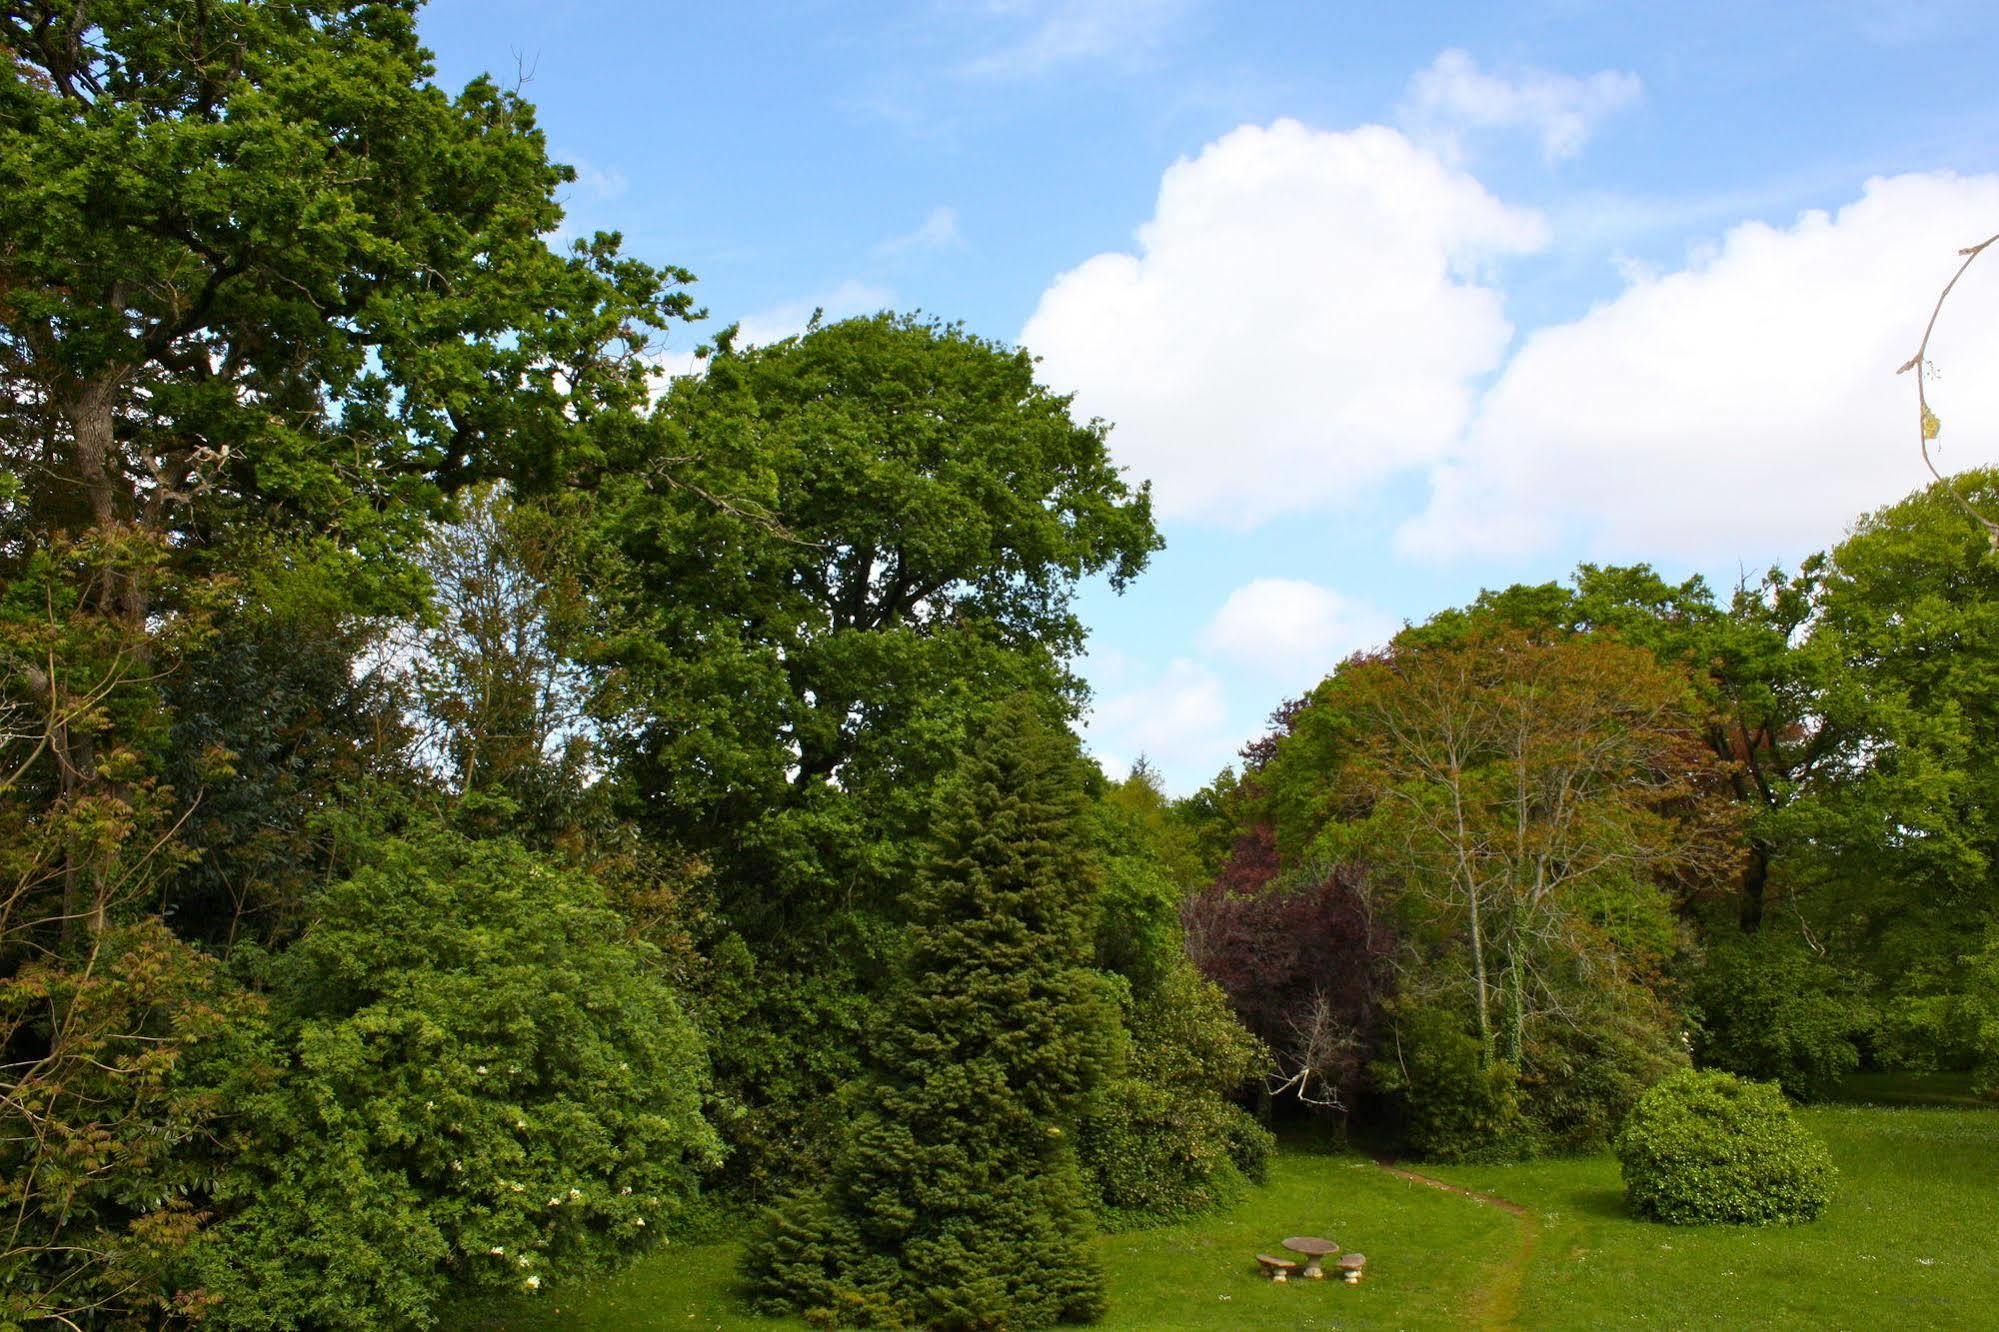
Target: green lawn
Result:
[1908, 1243]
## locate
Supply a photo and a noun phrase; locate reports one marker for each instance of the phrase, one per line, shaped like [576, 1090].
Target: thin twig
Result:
[1926, 420]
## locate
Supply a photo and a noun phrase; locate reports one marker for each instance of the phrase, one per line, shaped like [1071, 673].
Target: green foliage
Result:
[1703, 1148]
[1981, 1012]
[1767, 1008]
[816, 566]
[478, 1083]
[1582, 1077]
[1902, 832]
[1164, 1140]
[1451, 1103]
[311, 282]
[957, 1200]
[112, 1143]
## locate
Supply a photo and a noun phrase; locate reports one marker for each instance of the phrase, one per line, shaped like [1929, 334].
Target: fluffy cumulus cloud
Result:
[1178, 720]
[1305, 314]
[1745, 405]
[1293, 631]
[1454, 96]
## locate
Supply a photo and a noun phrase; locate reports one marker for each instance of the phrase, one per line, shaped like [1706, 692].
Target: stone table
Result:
[1314, 1251]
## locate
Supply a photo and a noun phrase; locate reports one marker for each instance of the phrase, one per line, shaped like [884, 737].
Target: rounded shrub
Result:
[1703, 1148]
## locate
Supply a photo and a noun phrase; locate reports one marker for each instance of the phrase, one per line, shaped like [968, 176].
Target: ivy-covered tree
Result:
[958, 1200]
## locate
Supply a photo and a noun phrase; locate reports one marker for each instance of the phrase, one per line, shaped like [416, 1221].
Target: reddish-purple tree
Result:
[1304, 960]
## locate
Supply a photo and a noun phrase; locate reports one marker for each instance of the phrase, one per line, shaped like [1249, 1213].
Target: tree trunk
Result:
[1480, 982]
[1755, 880]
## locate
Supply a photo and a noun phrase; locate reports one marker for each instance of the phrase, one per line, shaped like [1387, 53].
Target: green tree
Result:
[832, 553]
[265, 281]
[958, 1200]
[1527, 805]
[1903, 830]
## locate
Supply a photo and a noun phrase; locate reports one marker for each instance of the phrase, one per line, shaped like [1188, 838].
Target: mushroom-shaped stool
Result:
[1351, 1266]
[1314, 1250]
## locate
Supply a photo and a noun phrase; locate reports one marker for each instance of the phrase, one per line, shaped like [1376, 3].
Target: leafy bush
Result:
[482, 1084]
[1451, 1107]
[1707, 1147]
[113, 1136]
[1768, 1009]
[1164, 1140]
[1581, 1078]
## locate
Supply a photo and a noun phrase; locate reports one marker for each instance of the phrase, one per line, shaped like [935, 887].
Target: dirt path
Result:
[1496, 1304]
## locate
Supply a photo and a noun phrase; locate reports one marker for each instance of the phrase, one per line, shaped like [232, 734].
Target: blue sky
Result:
[1391, 302]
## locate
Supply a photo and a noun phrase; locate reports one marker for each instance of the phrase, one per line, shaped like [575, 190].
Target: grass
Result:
[1909, 1089]
[1906, 1244]
[1428, 1254]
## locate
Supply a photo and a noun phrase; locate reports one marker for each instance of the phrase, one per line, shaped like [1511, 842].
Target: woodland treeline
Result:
[471, 809]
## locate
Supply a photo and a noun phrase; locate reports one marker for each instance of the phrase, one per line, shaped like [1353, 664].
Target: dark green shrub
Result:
[1581, 1078]
[1451, 1106]
[1769, 1009]
[958, 1200]
[481, 1084]
[1704, 1147]
[1165, 1140]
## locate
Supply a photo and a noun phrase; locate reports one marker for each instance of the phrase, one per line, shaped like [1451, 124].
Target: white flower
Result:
[625, 1190]
[641, 1221]
[520, 1124]
[555, 1202]
[498, 1250]
[481, 1070]
[518, 1188]
[524, 1260]
[534, 1282]
[459, 1166]
[430, 1105]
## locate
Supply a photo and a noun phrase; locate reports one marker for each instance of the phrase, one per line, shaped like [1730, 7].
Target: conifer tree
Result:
[957, 1201]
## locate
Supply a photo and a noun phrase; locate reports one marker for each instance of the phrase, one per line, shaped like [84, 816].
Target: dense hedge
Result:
[1705, 1147]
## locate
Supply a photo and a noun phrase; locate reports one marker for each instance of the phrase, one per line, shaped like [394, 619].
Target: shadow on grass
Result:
[1604, 1204]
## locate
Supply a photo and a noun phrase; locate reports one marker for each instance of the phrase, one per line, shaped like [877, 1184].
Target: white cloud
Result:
[1179, 720]
[1293, 631]
[777, 323]
[1066, 32]
[1303, 318]
[1743, 405]
[938, 231]
[790, 319]
[1454, 95]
